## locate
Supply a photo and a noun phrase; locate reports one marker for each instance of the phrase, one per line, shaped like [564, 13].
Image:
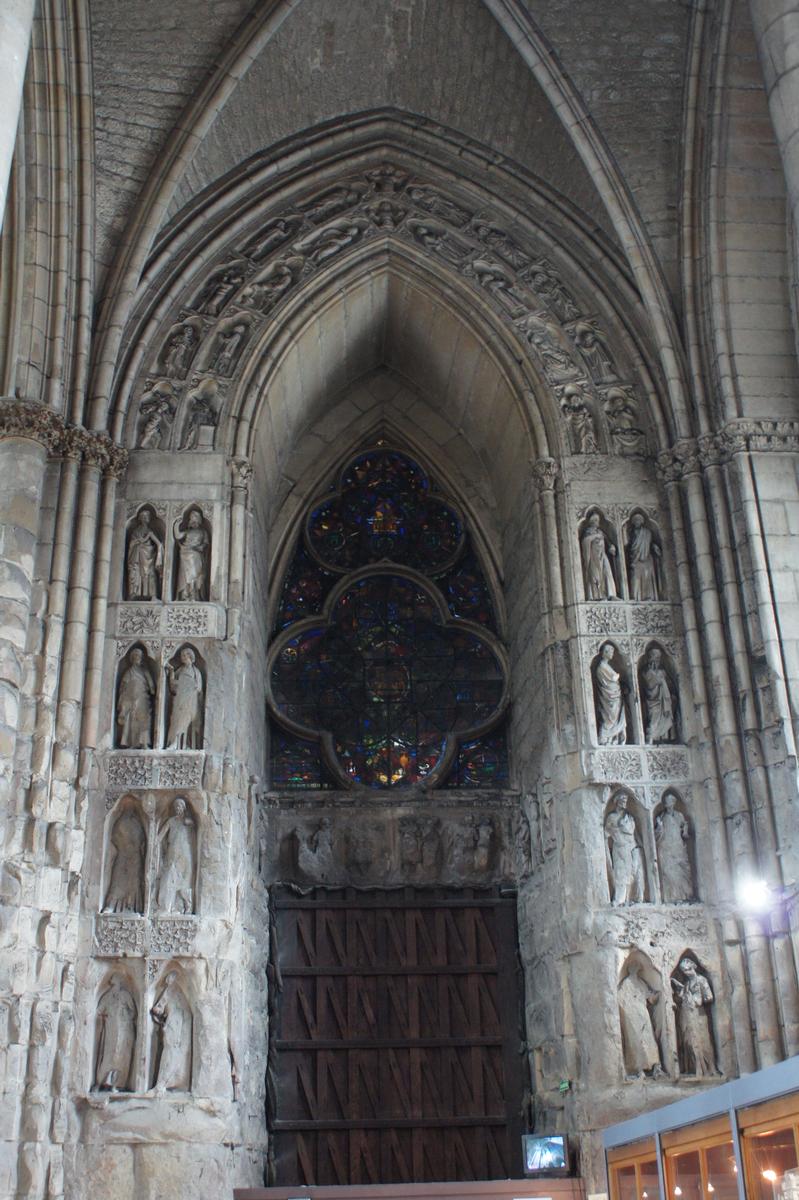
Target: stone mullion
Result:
[734, 954]
[738, 815]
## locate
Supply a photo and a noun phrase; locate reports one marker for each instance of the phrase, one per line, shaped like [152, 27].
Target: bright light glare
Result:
[710, 1187]
[770, 1175]
[678, 1191]
[754, 895]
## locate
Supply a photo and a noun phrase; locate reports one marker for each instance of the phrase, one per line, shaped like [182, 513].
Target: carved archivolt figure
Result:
[193, 544]
[231, 344]
[643, 553]
[116, 1037]
[625, 853]
[594, 351]
[580, 420]
[694, 996]
[176, 844]
[180, 351]
[172, 1016]
[673, 839]
[135, 704]
[126, 884]
[145, 558]
[658, 700]
[637, 1002]
[219, 290]
[596, 552]
[186, 686]
[611, 718]
[201, 412]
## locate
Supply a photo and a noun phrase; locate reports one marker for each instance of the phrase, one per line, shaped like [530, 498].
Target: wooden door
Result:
[394, 1053]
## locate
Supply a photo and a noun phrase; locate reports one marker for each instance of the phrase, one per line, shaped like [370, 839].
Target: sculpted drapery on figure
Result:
[643, 556]
[611, 718]
[144, 559]
[596, 551]
[126, 883]
[115, 1038]
[658, 698]
[186, 687]
[639, 1031]
[193, 544]
[625, 854]
[176, 871]
[171, 1014]
[694, 996]
[135, 703]
[673, 841]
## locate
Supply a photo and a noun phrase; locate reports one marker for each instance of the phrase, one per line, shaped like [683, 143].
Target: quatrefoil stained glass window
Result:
[385, 669]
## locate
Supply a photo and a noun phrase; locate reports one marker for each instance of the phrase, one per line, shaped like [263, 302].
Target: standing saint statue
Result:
[643, 553]
[126, 884]
[172, 1017]
[193, 544]
[186, 686]
[596, 551]
[116, 1037]
[175, 886]
[658, 700]
[639, 1041]
[625, 854]
[611, 718]
[145, 558]
[672, 838]
[693, 1021]
[135, 704]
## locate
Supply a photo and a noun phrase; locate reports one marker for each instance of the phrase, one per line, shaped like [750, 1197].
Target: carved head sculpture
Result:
[653, 658]
[669, 801]
[688, 966]
[144, 517]
[195, 519]
[593, 520]
[607, 651]
[637, 520]
[136, 657]
[179, 807]
[187, 656]
[622, 800]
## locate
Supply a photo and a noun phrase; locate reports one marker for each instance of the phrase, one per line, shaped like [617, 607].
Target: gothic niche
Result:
[156, 410]
[674, 842]
[202, 414]
[179, 348]
[176, 859]
[135, 697]
[144, 556]
[641, 1014]
[115, 1035]
[227, 344]
[693, 1001]
[644, 559]
[611, 697]
[192, 534]
[656, 681]
[172, 1022]
[626, 861]
[599, 558]
[126, 854]
[185, 675]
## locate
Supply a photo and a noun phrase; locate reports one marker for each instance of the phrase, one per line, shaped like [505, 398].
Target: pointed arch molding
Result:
[501, 252]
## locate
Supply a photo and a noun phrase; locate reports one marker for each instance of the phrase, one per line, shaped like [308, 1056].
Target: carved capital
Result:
[241, 469]
[21, 419]
[762, 435]
[712, 450]
[681, 460]
[545, 474]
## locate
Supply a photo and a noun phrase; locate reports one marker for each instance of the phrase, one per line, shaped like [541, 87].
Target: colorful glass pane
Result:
[296, 762]
[304, 591]
[466, 591]
[481, 763]
[385, 510]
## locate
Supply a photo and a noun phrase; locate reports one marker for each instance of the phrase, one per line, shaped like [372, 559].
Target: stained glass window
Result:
[384, 669]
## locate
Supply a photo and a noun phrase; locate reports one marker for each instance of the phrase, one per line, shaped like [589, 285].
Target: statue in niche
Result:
[144, 559]
[135, 704]
[659, 725]
[625, 854]
[230, 346]
[201, 412]
[218, 291]
[595, 352]
[673, 841]
[180, 350]
[193, 544]
[611, 716]
[173, 1021]
[622, 415]
[694, 996]
[596, 551]
[315, 851]
[643, 555]
[176, 846]
[156, 410]
[116, 1037]
[639, 1033]
[271, 285]
[580, 420]
[483, 841]
[186, 718]
[545, 282]
[126, 883]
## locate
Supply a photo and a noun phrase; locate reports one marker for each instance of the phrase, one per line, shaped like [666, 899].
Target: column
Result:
[16, 18]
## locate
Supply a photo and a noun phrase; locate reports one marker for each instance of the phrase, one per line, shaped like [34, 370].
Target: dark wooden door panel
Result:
[395, 1046]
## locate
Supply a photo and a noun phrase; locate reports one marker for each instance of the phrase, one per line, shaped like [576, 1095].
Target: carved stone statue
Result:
[637, 1001]
[596, 551]
[156, 410]
[180, 350]
[126, 883]
[622, 416]
[483, 842]
[694, 996]
[315, 852]
[173, 1020]
[135, 704]
[625, 854]
[658, 700]
[144, 558]
[116, 1038]
[580, 420]
[595, 352]
[186, 718]
[673, 839]
[176, 845]
[643, 554]
[611, 718]
[219, 290]
[193, 544]
[201, 412]
[230, 346]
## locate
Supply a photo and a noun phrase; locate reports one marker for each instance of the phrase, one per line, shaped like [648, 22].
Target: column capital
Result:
[241, 469]
[37, 423]
[545, 474]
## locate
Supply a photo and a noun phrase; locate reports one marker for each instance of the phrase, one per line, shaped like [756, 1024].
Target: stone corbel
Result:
[545, 474]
